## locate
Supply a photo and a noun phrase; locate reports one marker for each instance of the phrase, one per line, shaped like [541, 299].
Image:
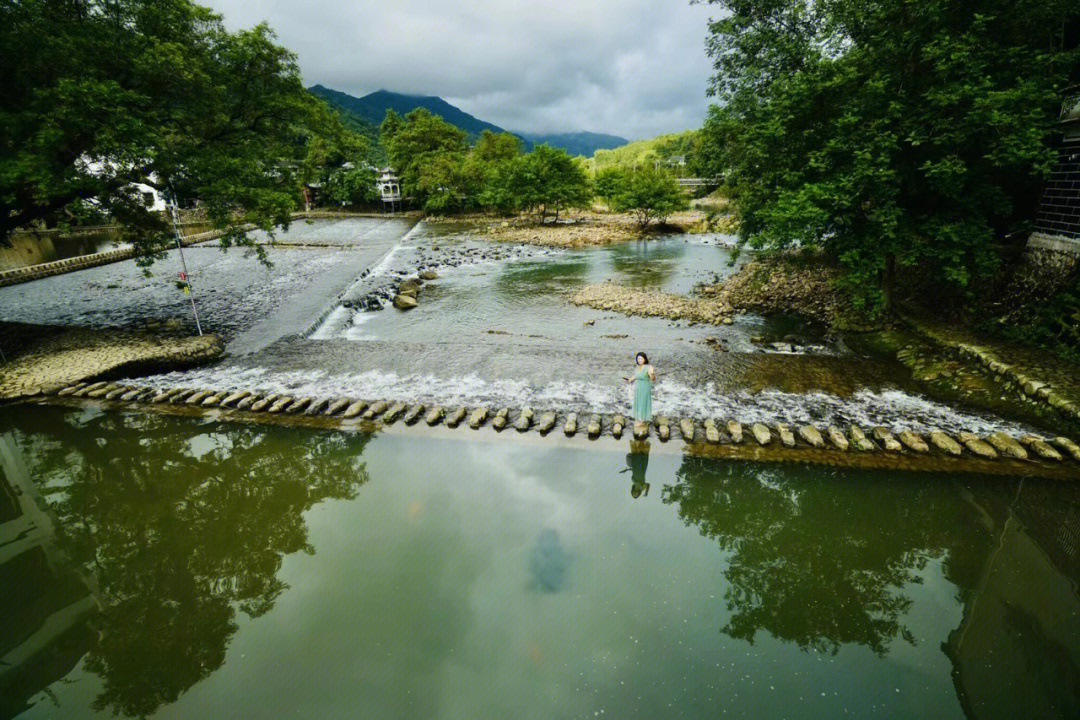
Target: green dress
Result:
[643, 395]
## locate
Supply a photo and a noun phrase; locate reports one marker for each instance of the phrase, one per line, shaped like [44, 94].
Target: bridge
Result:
[691, 183]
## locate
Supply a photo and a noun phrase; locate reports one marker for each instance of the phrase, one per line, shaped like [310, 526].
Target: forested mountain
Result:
[372, 108]
[577, 143]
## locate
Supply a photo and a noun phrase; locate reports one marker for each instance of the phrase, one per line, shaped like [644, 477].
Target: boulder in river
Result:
[1041, 448]
[413, 414]
[912, 441]
[977, 446]
[1068, 446]
[1006, 445]
[337, 406]
[594, 427]
[859, 440]
[377, 408]
[686, 427]
[524, 420]
[571, 424]
[943, 442]
[734, 429]
[499, 421]
[353, 409]
[435, 415]
[404, 302]
[546, 422]
[428, 275]
[761, 433]
[883, 436]
[618, 422]
[455, 418]
[317, 406]
[478, 417]
[811, 435]
[787, 438]
[837, 438]
[394, 412]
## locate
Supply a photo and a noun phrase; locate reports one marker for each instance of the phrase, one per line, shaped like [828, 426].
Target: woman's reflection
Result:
[637, 462]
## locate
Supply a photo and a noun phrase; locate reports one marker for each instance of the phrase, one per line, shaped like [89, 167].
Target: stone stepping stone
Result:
[1041, 448]
[811, 436]
[280, 404]
[92, 387]
[394, 412]
[837, 438]
[883, 436]
[455, 417]
[1068, 446]
[977, 446]
[214, 400]
[618, 424]
[114, 394]
[912, 441]
[594, 427]
[337, 406]
[686, 427]
[524, 420]
[198, 397]
[249, 401]
[663, 428]
[298, 405]
[1006, 445]
[414, 414]
[735, 431]
[571, 425]
[946, 444]
[546, 423]
[641, 431]
[377, 408]
[101, 392]
[787, 438]
[478, 417]
[500, 419]
[859, 440]
[71, 389]
[712, 433]
[132, 394]
[317, 407]
[435, 416]
[761, 434]
[234, 398]
[164, 395]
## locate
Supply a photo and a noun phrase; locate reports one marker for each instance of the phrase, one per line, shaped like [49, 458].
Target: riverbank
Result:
[42, 359]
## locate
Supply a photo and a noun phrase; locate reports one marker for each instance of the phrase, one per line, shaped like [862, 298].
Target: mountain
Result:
[372, 108]
[577, 143]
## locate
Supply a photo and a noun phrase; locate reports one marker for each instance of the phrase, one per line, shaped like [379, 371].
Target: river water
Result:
[168, 567]
[496, 328]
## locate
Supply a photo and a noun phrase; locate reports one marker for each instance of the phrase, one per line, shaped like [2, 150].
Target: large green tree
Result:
[888, 132]
[102, 94]
[428, 154]
[648, 193]
[546, 180]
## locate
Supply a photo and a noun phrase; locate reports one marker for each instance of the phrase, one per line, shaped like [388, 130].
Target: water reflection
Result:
[823, 560]
[637, 464]
[182, 525]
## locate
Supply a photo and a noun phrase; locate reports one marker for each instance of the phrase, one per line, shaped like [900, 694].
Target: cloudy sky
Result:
[635, 68]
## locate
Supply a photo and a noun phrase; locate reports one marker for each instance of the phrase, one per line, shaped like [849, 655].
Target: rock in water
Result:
[943, 442]
[524, 419]
[499, 422]
[394, 412]
[317, 407]
[1068, 446]
[548, 562]
[734, 429]
[197, 397]
[337, 406]
[478, 417]
[414, 414]
[859, 439]
[787, 438]
[455, 417]
[352, 410]
[298, 406]
[837, 438]
[883, 436]
[1006, 445]
[686, 427]
[377, 408]
[235, 398]
[248, 402]
[712, 433]
[435, 416]
[593, 428]
[761, 433]
[811, 435]
[429, 275]
[571, 424]
[976, 445]
[618, 422]
[1040, 447]
[546, 423]
[404, 302]
[912, 440]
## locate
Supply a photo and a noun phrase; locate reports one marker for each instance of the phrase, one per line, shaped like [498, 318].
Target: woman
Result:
[643, 381]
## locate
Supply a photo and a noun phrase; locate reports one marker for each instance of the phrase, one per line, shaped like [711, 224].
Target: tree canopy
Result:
[887, 132]
[648, 193]
[101, 95]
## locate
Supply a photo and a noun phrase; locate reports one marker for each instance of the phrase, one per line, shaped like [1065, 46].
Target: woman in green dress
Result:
[643, 380]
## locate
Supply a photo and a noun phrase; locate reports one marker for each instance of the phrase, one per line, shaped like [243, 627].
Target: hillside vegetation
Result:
[663, 148]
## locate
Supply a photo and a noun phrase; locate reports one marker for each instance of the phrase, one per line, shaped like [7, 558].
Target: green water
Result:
[181, 568]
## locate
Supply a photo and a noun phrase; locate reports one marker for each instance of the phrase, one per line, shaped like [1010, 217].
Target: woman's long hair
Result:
[642, 355]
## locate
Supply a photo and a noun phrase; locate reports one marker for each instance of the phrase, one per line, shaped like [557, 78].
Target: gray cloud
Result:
[631, 67]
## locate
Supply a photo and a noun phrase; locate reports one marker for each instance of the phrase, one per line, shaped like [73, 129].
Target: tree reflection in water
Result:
[182, 525]
[822, 559]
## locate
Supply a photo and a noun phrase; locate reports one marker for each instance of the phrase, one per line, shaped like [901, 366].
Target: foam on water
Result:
[894, 409]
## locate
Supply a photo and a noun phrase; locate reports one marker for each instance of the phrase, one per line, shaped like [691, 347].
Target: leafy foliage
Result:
[647, 193]
[545, 180]
[887, 132]
[663, 150]
[101, 95]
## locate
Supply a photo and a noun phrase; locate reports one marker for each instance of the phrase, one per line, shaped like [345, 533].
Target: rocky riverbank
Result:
[39, 360]
[650, 303]
[575, 229]
[786, 287]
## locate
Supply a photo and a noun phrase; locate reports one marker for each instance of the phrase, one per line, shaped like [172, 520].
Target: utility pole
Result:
[174, 213]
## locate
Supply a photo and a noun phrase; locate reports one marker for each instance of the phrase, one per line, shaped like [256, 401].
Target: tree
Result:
[100, 95]
[888, 132]
[608, 183]
[548, 179]
[427, 153]
[647, 193]
[351, 185]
